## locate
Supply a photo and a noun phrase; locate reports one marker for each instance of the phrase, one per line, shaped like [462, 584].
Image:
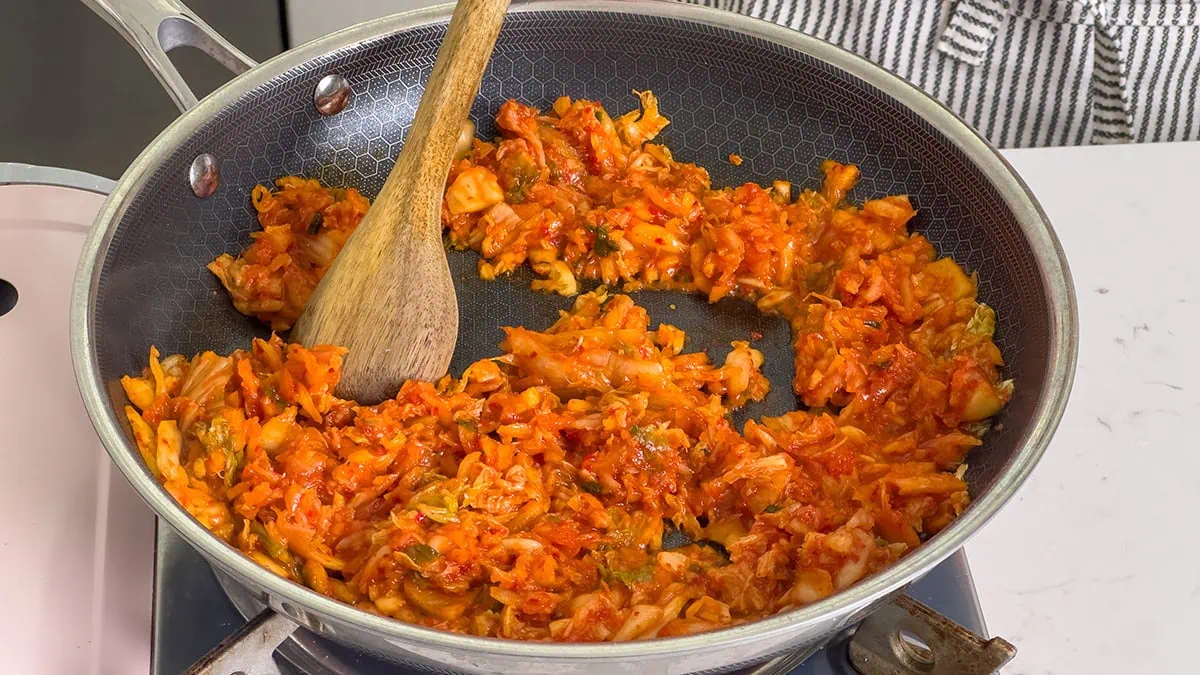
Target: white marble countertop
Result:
[1095, 566]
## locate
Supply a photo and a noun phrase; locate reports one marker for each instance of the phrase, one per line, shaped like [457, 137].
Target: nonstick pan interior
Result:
[781, 110]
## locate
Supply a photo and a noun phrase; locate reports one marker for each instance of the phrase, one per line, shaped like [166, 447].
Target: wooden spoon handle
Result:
[388, 297]
[424, 161]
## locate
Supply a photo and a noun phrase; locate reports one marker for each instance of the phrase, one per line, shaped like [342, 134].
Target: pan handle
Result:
[155, 27]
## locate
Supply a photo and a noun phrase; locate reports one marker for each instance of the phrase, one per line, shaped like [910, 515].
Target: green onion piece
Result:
[604, 245]
[421, 553]
[592, 487]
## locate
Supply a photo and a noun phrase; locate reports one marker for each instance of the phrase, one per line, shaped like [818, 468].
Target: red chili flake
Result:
[533, 355]
[659, 241]
[658, 215]
[420, 517]
[755, 335]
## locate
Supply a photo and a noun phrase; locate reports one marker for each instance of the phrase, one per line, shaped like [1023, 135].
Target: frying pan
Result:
[780, 99]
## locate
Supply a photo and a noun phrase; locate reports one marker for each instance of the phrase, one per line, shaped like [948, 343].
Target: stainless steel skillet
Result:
[780, 99]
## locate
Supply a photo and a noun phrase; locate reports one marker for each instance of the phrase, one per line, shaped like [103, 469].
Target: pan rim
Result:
[1032, 220]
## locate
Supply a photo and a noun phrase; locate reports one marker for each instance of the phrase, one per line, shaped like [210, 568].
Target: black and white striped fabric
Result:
[1026, 73]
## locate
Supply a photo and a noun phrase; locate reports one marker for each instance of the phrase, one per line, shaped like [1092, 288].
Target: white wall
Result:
[308, 19]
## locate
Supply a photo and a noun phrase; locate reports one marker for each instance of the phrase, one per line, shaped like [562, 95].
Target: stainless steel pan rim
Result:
[15, 173]
[1032, 220]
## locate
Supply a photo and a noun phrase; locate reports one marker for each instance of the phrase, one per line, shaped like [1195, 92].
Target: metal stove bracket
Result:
[249, 651]
[905, 637]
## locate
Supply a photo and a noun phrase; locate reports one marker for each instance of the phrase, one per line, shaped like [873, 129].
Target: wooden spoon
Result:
[388, 297]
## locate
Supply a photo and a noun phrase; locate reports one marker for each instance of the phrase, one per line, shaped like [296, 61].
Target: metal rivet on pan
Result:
[202, 175]
[332, 94]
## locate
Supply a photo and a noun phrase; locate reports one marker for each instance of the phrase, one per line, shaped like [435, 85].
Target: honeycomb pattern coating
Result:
[781, 109]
